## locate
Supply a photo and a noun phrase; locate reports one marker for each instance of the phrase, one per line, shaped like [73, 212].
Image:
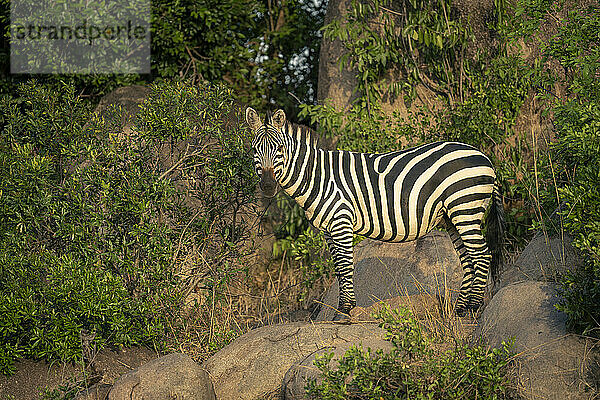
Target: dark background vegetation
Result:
[106, 235]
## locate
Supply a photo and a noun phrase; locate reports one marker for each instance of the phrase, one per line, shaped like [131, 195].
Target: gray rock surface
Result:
[386, 270]
[96, 392]
[553, 363]
[255, 364]
[174, 376]
[542, 260]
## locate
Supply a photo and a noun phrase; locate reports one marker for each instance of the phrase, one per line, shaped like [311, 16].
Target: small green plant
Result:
[309, 251]
[66, 391]
[414, 368]
[292, 221]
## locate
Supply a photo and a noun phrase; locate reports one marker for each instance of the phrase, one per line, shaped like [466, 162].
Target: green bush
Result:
[414, 368]
[94, 224]
[309, 251]
[576, 159]
[263, 50]
[57, 276]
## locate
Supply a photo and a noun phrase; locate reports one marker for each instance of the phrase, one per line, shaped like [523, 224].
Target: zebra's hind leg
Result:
[482, 259]
[462, 304]
[339, 239]
[469, 230]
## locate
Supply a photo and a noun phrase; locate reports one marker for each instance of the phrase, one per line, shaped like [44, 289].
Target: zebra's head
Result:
[269, 148]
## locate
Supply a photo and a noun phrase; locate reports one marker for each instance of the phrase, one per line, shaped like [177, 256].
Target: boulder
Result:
[98, 391]
[174, 376]
[553, 363]
[255, 364]
[104, 367]
[543, 259]
[383, 270]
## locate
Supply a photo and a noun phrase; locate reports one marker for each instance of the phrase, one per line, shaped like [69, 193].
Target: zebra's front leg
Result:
[339, 239]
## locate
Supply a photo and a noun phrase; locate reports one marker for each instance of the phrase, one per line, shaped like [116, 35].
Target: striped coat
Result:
[397, 196]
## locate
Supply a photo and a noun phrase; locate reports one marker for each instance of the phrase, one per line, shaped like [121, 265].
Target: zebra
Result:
[398, 196]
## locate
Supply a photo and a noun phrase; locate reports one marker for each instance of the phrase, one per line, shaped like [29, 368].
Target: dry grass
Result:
[228, 296]
[433, 311]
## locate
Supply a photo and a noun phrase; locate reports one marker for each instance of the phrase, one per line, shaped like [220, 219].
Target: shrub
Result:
[95, 225]
[575, 158]
[414, 368]
[262, 50]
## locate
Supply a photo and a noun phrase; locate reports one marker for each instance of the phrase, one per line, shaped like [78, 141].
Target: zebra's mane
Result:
[303, 134]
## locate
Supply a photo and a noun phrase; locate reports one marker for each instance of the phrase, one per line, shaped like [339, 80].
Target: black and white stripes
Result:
[396, 197]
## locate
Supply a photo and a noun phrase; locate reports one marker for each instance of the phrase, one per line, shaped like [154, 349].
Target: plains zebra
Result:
[396, 197]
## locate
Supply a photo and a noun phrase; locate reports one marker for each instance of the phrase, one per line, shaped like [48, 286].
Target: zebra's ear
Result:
[252, 119]
[278, 119]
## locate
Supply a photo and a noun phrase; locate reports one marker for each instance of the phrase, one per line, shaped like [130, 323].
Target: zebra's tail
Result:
[496, 227]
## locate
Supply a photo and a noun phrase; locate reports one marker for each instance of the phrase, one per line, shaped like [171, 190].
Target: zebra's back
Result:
[402, 195]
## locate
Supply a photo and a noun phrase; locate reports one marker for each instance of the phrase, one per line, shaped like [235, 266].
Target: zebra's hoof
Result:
[460, 311]
[474, 305]
[341, 318]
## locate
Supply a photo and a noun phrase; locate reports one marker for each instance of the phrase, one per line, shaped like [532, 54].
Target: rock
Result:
[554, 364]
[95, 392]
[33, 377]
[386, 270]
[174, 376]
[255, 364]
[541, 260]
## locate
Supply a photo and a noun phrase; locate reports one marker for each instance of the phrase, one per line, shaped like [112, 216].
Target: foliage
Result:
[576, 153]
[292, 221]
[364, 130]
[488, 115]
[262, 49]
[274, 45]
[309, 251]
[414, 368]
[94, 224]
[527, 17]
[212, 159]
[415, 33]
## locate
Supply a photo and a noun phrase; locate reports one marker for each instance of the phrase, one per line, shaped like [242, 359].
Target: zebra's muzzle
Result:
[268, 184]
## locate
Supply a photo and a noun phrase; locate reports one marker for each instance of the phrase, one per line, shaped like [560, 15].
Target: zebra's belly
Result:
[392, 227]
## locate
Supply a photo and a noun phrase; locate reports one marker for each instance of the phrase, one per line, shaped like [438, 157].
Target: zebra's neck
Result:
[302, 151]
